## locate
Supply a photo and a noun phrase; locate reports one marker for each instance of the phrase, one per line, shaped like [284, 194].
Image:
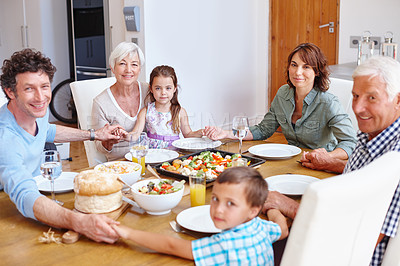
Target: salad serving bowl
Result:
[158, 204]
[128, 171]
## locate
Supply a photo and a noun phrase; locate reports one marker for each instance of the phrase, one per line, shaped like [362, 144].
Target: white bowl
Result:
[129, 172]
[156, 204]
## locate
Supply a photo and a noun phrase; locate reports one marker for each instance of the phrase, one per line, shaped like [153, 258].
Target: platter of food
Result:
[211, 161]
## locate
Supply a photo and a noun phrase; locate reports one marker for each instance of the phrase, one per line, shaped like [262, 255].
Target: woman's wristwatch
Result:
[92, 135]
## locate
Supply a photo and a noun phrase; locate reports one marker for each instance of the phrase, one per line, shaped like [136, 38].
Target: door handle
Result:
[330, 25]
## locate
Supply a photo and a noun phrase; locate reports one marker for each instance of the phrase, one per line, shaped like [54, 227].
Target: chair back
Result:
[3, 98]
[392, 254]
[342, 89]
[84, 92]
[340, 218]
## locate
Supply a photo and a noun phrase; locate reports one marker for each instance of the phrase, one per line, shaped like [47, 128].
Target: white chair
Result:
[84, 92]
[342, 89]
[3, 98]
[392, 254]
[340, 218]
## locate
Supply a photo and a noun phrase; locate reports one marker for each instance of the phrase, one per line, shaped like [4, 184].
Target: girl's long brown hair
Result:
[167, 72]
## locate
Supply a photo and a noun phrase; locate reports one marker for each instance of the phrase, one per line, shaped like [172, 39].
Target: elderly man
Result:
[24, 129]
[376, 104]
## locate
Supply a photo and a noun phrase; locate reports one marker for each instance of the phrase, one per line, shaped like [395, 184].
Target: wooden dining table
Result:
[19, 244]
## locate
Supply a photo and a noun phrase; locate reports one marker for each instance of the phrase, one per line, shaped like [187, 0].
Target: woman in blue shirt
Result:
[309, 116]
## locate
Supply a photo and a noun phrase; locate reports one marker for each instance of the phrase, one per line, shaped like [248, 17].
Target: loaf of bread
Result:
[97, 192]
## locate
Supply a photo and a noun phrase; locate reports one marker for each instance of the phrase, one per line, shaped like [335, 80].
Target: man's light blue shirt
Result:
[20, 159]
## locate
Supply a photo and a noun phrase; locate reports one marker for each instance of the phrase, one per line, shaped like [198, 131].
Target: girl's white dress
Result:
[159, 130]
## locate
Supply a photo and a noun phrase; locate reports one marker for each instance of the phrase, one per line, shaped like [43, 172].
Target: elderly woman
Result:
[309, 116]
[120, 103]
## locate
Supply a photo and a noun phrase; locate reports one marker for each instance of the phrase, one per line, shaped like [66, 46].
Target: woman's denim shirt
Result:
[323, 124]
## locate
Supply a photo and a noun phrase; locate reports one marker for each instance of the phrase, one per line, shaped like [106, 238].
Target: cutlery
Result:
[177, 228]
[246, 151]
[153, 171]
[135, 206]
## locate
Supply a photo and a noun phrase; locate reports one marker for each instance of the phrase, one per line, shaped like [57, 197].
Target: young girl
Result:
[237, 198]
[163, 117]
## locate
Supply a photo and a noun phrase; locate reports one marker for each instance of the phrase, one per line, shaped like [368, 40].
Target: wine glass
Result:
[50, 167]
[240, 127]
[139, 149]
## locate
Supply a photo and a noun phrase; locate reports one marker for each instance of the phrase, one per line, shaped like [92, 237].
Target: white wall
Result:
[219, 52]
[356, 16]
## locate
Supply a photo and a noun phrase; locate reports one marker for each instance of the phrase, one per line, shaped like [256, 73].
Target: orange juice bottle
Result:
[142, 163]
[197, 194]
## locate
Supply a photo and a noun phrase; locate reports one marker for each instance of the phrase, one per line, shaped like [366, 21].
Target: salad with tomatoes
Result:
[165, 186]
[211, 163]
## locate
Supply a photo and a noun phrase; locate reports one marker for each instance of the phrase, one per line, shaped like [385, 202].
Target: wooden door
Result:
[296, 21]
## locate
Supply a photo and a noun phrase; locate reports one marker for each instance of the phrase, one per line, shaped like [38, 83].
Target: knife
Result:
[135, 207]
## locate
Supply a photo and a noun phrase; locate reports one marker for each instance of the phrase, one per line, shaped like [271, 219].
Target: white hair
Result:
[385, 67]
[124, 49]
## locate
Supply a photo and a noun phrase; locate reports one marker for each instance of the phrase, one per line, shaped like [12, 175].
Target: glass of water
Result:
[240, 128]
[50, 167]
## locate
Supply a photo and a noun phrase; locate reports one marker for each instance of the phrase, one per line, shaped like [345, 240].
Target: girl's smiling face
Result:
[229, 206]
[163, 89]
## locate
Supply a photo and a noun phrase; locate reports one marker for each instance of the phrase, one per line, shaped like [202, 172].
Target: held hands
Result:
[215, 133]
[97, 227]
[111, 133]
[121, 230]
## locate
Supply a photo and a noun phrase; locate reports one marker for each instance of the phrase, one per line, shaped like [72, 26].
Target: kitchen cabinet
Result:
[20, 22]
[116, 22]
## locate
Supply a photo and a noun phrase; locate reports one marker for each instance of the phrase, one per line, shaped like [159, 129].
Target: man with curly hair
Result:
[24, 129]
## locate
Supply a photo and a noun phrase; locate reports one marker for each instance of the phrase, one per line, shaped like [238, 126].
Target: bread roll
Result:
[97, 192]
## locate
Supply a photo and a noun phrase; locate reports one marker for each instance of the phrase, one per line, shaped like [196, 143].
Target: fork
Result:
[178, 229]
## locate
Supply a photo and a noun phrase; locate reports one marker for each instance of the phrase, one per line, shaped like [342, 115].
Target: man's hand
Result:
[96, 227]
[285, 205]
[215, 133]
[320, 159]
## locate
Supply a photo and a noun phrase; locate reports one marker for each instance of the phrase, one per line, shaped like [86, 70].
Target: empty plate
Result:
[64, 183]
[290, 184]
[275, 151]
[196, 144]
[197, 219]
[156, 155]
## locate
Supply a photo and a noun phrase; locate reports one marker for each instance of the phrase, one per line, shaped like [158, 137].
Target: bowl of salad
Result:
[157, 196]
[128, 171]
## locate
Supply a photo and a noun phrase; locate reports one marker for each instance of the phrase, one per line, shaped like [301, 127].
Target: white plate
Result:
[274, 151]
[64, 183]
[156, 155]
[197, 219]
[196, 144]
[290, 184]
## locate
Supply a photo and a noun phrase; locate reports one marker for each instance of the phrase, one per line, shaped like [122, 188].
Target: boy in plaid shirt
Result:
[237, 198]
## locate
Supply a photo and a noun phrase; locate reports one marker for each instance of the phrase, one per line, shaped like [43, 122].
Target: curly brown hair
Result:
[168, 72]
[314, 57]
[256, 189]
[27, 60]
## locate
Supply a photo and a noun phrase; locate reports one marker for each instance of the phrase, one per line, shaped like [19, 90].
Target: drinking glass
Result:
[50, 167]
[240, 127]
[139, 149]
[197, 183]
